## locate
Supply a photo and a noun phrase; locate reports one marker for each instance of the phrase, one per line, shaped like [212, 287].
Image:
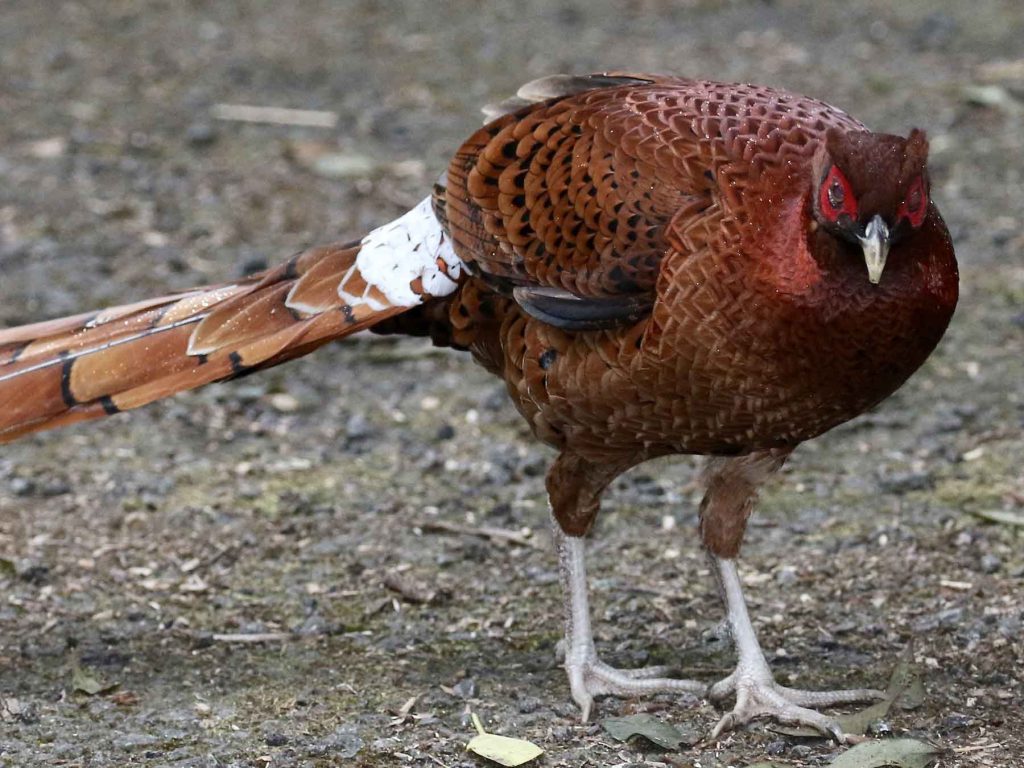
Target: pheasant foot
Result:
[588, 675]
[757, 694]
[591, 677]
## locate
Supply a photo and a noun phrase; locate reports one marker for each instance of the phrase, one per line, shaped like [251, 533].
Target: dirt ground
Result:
[331, 503]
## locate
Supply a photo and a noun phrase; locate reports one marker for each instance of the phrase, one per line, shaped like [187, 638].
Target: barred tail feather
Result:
[84, 367]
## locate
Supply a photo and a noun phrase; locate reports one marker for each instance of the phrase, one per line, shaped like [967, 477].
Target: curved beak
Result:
[875, 242]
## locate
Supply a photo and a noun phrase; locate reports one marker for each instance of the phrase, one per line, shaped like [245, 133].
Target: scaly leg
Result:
[588, 675]
[732, 485]
[757, 693]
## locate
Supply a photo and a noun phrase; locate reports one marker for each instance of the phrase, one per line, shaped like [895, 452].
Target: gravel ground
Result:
[326, 503]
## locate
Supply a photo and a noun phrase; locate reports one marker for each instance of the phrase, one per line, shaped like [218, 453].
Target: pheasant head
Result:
[871, 190]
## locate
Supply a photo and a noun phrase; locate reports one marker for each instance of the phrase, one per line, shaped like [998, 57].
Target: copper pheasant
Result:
[653, 265]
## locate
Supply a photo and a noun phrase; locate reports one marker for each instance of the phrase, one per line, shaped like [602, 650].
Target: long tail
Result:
[88, 366]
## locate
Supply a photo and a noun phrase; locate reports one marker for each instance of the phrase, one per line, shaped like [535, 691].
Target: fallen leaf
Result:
[83, 681]
[858, 723]
[664, 735]
[901, 753]
[12, 709]
[502, 750]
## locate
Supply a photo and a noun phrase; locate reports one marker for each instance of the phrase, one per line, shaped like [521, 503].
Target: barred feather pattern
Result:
[84, 367]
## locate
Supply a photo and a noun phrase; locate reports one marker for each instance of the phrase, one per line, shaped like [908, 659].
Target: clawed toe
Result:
[829, 698]
[792, 715]
[722, 690]
[771, 702]
[726, 687]
[647, 673]
[591, 678]
[758, 696]
[766, 699]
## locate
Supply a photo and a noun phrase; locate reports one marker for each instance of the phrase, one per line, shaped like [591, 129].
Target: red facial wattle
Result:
[915, 204]
[835, 197]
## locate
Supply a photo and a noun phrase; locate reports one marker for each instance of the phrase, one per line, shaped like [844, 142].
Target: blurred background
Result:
[298, 504]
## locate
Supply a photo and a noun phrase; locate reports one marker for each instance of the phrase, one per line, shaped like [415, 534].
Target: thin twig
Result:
[253, 637]
[666, 593]
[483, 532]
[977, 748]
[245, 113]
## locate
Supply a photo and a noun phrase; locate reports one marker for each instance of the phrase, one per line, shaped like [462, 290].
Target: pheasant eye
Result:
[835, 198]
[915, 203]
[836, 194]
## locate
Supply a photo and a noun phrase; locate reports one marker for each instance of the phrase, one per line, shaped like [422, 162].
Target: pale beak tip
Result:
[875, 242]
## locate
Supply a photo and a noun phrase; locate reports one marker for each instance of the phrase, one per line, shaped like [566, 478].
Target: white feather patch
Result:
[392, 257]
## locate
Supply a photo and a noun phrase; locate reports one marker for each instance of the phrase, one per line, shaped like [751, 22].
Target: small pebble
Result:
[786, 575]
[36, 574]
[905, 482]
[284, 403]
[561, 733]
[948, 618]
[465, 688]
[880, 728]
[358, 427]
[130, 741]
[22, 486]
[528, 704]
[955, 721]
[990, 563]
[343, 743]
[201, 134]
[55, 488]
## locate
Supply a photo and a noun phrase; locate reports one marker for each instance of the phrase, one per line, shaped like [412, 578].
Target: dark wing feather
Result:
[570, 312]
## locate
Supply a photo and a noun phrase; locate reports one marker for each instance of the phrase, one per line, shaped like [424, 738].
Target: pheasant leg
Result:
[588, 675]
[757, 693]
